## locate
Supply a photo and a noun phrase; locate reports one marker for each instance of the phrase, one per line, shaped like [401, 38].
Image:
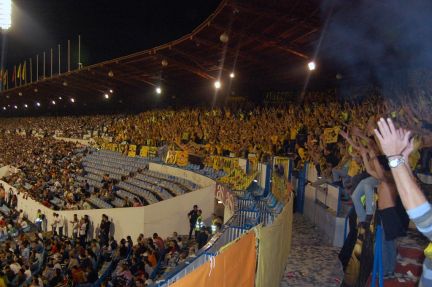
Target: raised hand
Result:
[409, 148]
[392, 141]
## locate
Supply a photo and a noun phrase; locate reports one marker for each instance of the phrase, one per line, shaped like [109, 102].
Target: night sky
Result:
[108, 29]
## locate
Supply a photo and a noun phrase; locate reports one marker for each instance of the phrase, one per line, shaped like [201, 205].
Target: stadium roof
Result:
[263, 42]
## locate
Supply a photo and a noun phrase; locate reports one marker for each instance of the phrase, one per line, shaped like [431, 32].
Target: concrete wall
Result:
[163, 217]
[262, 168]
[80, 141]
[331, 226]
[4, 171]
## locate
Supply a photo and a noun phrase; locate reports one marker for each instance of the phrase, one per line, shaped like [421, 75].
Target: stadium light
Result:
[311, 66]
[106, 96]
[5, 14]
[25, 106]
[53, 102]
[111, 91]
[38, 104]
[158, 90]
[15, 107]
[232, 75]
[217, 85]
[4, 108]
[72, 100]
[60, 98]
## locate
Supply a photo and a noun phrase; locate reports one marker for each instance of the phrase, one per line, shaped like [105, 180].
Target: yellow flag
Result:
[19, 72]
[5, 79]
[23, 75]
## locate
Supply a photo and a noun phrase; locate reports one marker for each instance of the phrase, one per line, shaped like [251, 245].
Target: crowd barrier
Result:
[234, 266]
[274, 247]
[162, 217]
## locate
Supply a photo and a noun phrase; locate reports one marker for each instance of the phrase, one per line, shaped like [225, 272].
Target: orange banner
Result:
[235, 266]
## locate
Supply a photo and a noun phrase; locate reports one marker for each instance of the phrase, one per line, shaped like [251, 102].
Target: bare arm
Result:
[349, 140]
[366, 163]
[409, 191]
[393, 144]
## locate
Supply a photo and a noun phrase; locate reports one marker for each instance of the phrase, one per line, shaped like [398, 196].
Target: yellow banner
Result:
[152, 151]
[182, 158]
[228, 164]
[171, 157]
[144, 151]
[331, 135]
[132, 150]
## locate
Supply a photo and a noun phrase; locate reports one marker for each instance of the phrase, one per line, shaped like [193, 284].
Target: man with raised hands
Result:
[397, 145]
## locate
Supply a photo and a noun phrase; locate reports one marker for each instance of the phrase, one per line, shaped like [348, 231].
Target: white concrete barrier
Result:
[331, 226]
[163, 217]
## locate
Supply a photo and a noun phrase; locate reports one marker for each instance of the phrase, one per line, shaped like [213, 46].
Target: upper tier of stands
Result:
[132, 179]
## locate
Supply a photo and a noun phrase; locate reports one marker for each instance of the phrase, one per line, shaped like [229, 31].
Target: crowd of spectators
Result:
[311, 132]
[53, 259]
[45, 169]
[12, 221]
[337, 137]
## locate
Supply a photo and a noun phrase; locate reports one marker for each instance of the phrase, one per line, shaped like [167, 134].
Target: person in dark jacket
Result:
[104, 230]
[193, 216]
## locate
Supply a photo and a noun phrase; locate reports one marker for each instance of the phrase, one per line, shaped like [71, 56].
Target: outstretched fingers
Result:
[378, 135]
[391, 126]
[384, 128]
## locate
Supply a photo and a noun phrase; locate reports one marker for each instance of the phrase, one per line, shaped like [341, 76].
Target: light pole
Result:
[5, 24]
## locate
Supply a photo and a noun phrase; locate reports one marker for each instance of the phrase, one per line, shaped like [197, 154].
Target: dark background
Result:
[106, 33]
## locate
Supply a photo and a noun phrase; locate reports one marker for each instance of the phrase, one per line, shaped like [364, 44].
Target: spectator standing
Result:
[75, 226]
[39, 220]
[55, 223]
[193, 216]
[60, 224]
[104, 230]
[82, 232]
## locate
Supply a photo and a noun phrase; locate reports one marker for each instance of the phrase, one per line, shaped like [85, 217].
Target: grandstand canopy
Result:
[267, 44]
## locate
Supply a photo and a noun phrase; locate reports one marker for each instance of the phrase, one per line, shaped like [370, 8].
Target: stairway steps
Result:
[411, 252]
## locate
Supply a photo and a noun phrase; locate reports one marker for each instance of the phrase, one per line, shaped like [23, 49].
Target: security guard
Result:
[215, 223]
[199, 223]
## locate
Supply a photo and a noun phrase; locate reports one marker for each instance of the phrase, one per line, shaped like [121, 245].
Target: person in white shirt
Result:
[54, 224]
[75, 226]
[82, 232]
[60, 224]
